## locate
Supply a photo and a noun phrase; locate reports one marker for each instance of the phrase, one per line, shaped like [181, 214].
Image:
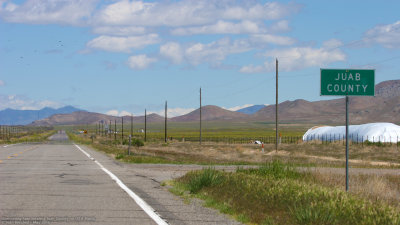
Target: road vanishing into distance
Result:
[62, 183]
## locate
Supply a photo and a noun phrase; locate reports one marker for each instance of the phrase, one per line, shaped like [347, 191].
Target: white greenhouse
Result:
[373, 132]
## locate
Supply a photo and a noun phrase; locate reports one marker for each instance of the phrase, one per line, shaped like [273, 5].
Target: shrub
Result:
[204, 178]
[274, 169]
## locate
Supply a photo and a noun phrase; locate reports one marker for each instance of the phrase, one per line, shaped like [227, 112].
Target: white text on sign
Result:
[347, 87]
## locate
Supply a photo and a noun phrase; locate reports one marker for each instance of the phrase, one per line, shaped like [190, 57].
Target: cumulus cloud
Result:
[115, 112]
[299, 57]
[24, 103]
[222, 27]
[216, 51]
[172, 51]
[120, 30]
[74, 12]
[212, 52]
[122, 44]
[386, 35]
[189, 13]
[235, 108]
[172, 112]
[280, 26]
[271, 39]
[140, 61]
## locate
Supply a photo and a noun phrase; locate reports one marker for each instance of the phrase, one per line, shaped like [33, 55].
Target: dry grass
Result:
[313, 153]
[278, 193]
[375, 187]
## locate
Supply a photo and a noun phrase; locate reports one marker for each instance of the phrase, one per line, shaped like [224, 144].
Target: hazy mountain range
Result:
[23, 117]
[384, 107]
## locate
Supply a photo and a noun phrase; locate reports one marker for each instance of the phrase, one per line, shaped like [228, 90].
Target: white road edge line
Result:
[146, 207]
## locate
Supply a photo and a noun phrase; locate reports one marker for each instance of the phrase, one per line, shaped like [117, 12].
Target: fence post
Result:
[362, 141]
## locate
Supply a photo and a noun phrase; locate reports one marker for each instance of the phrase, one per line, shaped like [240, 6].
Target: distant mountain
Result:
[384, 107]
[24, 117]
[251, 109]
[210, 112]
[83, 117]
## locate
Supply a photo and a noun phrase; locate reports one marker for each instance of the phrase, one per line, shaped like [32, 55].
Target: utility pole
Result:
[165, 126]
[115, 130]
[200, 116]
[145, 125]
[131, 125]
[276, 108]
[109, 129]
[122, 130]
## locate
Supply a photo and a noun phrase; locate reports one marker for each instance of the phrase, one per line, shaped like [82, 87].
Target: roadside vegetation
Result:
[315, 153]
[27, 135]
[277, 193]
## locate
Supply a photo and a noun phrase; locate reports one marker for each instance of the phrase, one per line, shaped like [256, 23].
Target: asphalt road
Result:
[57, 183]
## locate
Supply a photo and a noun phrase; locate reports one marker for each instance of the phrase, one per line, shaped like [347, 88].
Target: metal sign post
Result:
[347, 82]
[347, 143]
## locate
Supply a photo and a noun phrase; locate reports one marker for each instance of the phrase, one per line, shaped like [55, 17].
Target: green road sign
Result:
[357, 82]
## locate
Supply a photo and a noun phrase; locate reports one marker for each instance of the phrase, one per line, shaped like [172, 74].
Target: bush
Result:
[119, 156]
[274, 169]
[134, 142]
[204, 178]
[137, 142]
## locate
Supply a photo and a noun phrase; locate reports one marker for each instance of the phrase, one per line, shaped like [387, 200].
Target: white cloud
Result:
[140, 61]
[299, 57]
[235, 108]
[119, 30]
[74, 12]
[24, 103]
[271, 39]
[189, 13]
[172, 51]
[280, 26]
[215, 51]
[122, 44]
[172, 112]
[222, 27]
[253, 69]
[2, 83]
[112, 112]
[386, 35]
[115, 112]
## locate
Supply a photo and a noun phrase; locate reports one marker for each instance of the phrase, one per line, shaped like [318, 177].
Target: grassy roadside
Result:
[277, 194]
[209, 153]
[32, 137]
[120, 152]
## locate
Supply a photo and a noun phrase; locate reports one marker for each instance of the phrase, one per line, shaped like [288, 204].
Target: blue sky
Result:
[120, 56]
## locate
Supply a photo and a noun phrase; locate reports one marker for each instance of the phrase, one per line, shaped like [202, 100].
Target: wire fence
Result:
[314, 139]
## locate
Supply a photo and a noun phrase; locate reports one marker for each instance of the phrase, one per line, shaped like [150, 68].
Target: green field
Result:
[190, 130]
